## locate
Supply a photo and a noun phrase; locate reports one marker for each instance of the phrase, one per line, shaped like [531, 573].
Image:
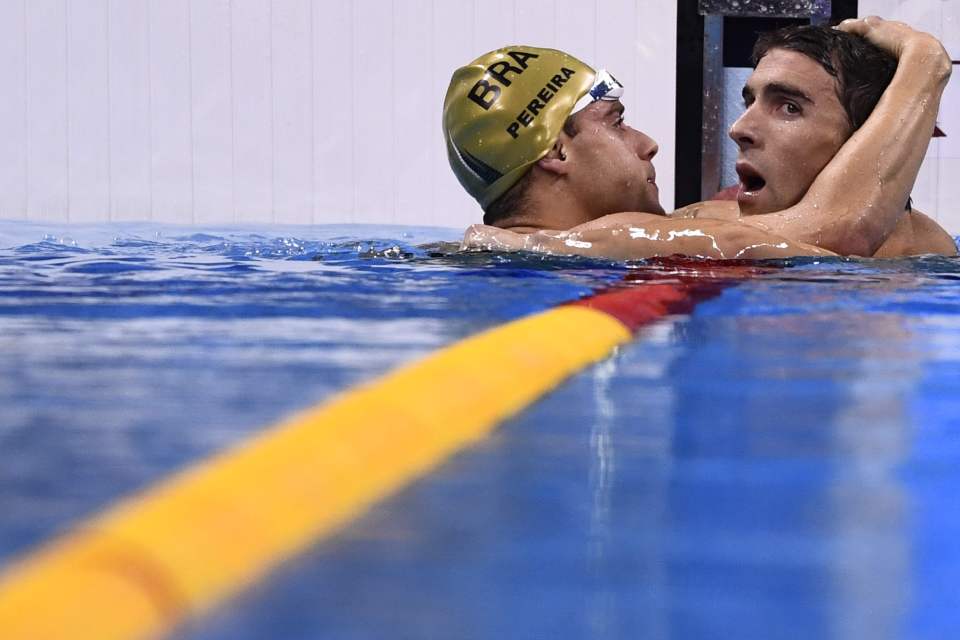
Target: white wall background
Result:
[937, 192]
[287, 111]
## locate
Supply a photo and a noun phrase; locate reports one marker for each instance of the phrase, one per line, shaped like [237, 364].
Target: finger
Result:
[853, 25]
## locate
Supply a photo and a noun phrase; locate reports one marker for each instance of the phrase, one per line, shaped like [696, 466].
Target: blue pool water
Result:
[784, 461]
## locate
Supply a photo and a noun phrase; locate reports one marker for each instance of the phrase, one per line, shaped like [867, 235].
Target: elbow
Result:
[943, 69]
[930, 53]
[944, 64]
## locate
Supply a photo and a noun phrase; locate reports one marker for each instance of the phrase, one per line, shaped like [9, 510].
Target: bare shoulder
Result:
[931, 237]
[711, 209]
[917, 234]
[615, 220]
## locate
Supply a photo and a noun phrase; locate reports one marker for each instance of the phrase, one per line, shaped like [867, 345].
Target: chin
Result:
[651, 204]
[757, 206]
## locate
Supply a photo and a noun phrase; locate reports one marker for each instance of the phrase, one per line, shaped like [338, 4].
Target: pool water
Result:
[784, 461]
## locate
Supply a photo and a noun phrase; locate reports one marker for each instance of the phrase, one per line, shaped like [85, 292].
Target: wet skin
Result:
[611, 162]
[792, 127]
[789, 137]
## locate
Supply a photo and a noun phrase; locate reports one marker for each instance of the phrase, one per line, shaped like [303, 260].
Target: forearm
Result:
[626, 241]
[859, 197]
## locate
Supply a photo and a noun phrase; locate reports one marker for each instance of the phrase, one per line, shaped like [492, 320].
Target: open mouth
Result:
[751, 182]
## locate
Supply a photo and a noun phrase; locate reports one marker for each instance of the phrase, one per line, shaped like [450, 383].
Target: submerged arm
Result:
[859, 197]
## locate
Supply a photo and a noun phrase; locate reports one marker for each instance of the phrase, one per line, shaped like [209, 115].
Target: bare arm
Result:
[634, 236]
[858, 199]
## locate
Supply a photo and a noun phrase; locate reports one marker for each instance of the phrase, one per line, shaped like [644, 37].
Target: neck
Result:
[548, 207]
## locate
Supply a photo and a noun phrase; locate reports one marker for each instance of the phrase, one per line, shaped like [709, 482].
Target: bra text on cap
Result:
[482, 90]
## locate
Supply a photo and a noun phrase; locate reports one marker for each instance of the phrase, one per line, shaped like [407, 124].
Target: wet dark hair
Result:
[512, 201]
[515, 197]
[862, 69]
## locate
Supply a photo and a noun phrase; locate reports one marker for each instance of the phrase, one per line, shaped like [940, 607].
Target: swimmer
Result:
[811, 89]
[585, 183]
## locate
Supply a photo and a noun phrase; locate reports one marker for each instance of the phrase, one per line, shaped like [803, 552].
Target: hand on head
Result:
[896, 37]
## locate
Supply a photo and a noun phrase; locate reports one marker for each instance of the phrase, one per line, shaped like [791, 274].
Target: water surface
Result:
[782, 462]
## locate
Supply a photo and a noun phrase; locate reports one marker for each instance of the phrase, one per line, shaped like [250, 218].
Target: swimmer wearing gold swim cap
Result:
[511, 110]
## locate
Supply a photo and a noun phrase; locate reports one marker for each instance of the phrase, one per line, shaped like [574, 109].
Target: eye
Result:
[791, 108]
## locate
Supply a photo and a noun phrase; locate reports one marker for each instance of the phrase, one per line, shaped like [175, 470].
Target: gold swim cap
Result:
[505, 110]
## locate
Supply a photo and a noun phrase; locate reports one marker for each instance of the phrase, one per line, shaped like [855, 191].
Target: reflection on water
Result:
[872, 576]
[801, 507]
[601, 611]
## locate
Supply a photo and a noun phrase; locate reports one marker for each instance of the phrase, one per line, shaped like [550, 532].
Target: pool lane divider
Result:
[171, 552]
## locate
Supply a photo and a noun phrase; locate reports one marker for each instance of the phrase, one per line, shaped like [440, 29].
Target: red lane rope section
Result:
[672, 285]
[641, 305]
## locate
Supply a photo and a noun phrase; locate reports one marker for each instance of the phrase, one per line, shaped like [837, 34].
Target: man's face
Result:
[793, 125]
[611, 166]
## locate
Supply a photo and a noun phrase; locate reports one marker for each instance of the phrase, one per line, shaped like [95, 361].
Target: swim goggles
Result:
[606, 87]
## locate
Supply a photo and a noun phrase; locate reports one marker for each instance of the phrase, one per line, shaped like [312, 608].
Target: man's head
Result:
[514, 142]
[811, 88]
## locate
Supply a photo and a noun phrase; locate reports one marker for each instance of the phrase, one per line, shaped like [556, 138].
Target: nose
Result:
[744, 130]
[646, 147]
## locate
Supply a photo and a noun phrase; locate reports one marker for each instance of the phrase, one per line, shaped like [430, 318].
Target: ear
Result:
[555, 161]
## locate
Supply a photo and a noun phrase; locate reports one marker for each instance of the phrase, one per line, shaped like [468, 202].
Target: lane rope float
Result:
[173, 551]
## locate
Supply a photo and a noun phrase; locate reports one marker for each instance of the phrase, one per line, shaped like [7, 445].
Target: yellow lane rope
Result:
[177, 549]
